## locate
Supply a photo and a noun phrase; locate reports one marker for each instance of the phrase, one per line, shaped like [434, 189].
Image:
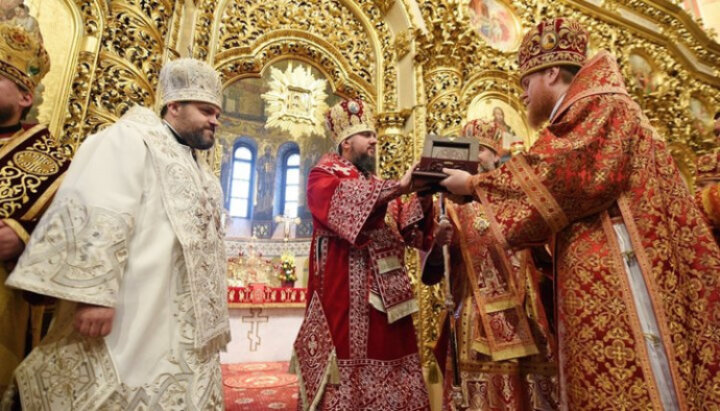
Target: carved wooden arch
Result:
[264, 46]
[295, 45]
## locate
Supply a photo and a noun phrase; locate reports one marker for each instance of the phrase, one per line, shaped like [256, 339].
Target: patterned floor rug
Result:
[259, 386]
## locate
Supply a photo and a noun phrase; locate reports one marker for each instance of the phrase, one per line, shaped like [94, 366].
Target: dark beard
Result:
[6, 113]
[195, 139]
[365, 163]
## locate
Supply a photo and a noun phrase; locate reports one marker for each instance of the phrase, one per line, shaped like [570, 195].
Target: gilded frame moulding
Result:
[212, 25]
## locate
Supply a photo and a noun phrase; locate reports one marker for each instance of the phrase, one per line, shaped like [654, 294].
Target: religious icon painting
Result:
[509, 116]
[496, 23]
[643, 74]
[700, 116]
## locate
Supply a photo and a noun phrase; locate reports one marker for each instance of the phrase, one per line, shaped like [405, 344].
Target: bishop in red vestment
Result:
[637, 284]
[357, 349]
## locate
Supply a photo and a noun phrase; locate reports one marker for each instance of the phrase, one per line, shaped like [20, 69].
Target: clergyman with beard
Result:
[132, 247]
[629, 241]
[358, 328]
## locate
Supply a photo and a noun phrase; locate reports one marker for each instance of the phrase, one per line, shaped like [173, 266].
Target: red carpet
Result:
[259, 386]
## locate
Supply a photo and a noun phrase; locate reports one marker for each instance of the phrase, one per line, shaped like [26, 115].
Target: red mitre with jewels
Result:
[349, 117]
[487, 134]
[708, 167]
[554, 42]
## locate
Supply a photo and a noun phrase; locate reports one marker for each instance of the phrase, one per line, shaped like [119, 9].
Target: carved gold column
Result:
[395, 145]
[129, 60]
[441, 53]
[93, 24]
[442, 87]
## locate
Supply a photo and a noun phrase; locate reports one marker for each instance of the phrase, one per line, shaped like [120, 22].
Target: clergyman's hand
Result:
[11, 246]
[406, 186]
[93, 320]
[457, 181]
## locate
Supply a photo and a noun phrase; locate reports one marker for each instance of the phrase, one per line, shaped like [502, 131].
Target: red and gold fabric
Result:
[505, 345]
[359, 291]
[710, 203]
[600, 159]
[31, 168]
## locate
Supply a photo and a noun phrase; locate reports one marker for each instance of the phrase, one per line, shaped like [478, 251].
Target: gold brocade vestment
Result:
[31, 168]
[505, 346]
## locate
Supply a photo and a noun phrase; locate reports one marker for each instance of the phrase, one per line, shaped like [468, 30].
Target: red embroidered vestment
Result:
[357, 347]
[600, 159]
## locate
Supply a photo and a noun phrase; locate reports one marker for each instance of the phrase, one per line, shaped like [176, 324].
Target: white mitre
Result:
[188, 79]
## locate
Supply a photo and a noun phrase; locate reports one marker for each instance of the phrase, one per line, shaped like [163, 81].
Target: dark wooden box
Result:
[445, 152]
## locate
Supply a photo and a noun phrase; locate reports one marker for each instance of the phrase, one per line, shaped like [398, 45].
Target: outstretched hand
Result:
[457, 181]
[93, 320]
[406, 183]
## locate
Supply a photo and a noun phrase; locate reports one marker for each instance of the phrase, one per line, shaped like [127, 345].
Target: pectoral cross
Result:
[289, 222]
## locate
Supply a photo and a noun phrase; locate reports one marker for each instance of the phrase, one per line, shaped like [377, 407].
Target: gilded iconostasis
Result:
[424, 65]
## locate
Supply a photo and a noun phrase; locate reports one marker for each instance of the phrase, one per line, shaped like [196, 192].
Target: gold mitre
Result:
[487, 133]
[188, 79]
[23, 58]
[349, 117]
[553, 42]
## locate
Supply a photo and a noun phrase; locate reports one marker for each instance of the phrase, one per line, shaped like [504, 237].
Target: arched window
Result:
[242, 181]
[290, 183]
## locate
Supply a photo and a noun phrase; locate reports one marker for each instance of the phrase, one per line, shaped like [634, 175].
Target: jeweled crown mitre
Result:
[708, 167]
[23, 58]
[486, 133]
[349, 117]
[553, 42]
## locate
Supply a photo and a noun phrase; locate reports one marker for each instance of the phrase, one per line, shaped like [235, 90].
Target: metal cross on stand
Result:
[289, 222]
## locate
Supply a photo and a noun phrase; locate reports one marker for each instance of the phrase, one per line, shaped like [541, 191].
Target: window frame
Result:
[251, 182]
[284, 168]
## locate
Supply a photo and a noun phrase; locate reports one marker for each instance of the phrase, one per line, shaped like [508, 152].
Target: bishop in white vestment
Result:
[135, 227]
